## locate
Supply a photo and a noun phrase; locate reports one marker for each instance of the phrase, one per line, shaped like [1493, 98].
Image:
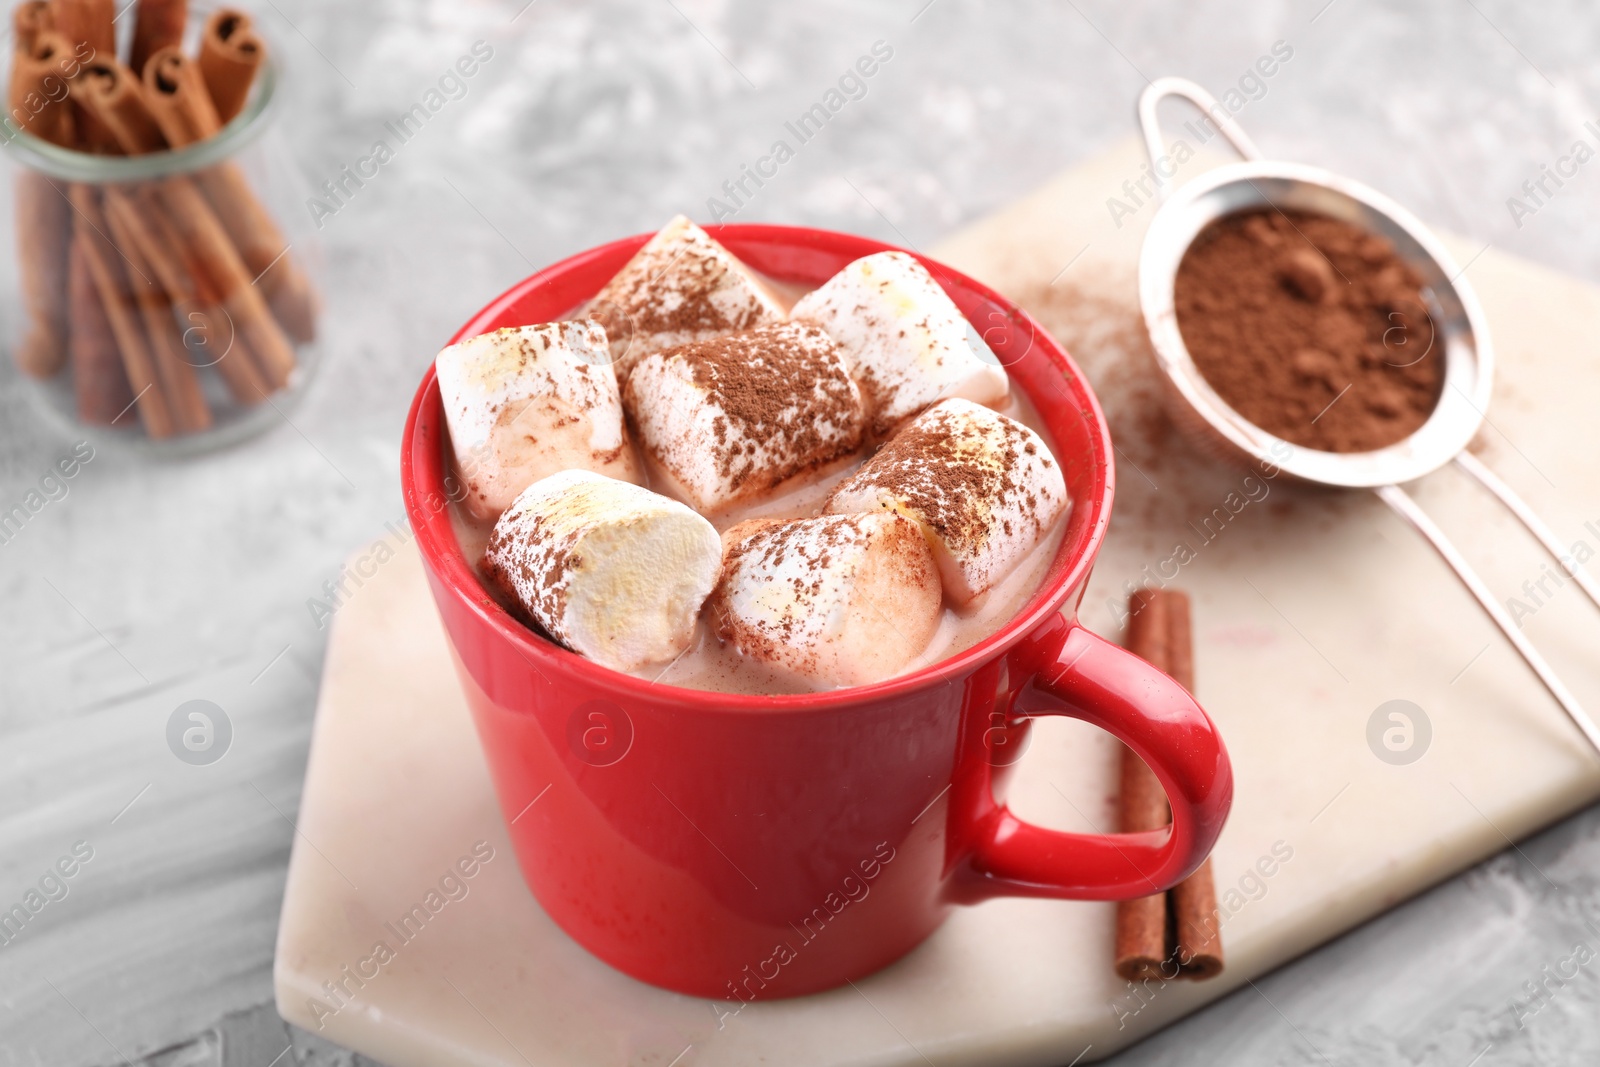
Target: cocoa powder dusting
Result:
[523, 564]
[1312, 328]
[818, 544]
[691, 294]
[690, 309]
[943, 476]
[785, 390]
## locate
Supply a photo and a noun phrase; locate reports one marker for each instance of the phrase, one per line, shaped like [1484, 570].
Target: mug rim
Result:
[448, 566]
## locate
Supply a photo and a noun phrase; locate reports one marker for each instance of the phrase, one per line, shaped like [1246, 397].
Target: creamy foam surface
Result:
[710, 665]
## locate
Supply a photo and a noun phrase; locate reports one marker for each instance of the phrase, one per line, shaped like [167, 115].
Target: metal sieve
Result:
[1459, 328]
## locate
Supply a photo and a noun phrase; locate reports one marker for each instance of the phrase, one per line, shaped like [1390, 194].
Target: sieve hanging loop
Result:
[1162, 88]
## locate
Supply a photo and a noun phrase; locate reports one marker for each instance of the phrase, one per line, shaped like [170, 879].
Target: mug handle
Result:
[1082, 675]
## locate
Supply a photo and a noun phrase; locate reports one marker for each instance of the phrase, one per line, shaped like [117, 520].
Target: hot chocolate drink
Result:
[752, 493]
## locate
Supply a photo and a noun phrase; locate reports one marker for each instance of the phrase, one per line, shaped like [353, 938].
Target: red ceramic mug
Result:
[765, 846]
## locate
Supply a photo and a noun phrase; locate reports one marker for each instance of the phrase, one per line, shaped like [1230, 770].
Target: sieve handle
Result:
[1150, 124]
[1408, 510]
[1529, 519]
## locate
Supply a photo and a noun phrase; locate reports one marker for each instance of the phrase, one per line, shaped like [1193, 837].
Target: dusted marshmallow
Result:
[733, 417]
[609, 569]
[984, 488]
[841, 600]
[907, 342]
[528, 401]
[681, 286]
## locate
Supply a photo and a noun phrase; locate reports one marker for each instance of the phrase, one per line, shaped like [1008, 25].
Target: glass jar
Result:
[165, 301]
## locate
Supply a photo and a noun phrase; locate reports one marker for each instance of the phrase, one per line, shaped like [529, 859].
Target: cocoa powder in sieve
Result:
[1311, 327]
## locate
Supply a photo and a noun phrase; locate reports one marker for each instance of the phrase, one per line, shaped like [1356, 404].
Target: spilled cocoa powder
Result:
[1311, 327]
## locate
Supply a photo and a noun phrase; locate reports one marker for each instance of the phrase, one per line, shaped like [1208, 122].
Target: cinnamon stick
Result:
[109, 92]
[105, 265]
[1141, 941]
[176, 93]
[157, 25]
[27, 21]
[1193, 901]
[230, 55]
[1195, 924]
[149, 229]
[1174, 934]
[91, 22]
[38, 103]
[179, 383]
[264, 250]
[198, 227]
[93, 135]
[182, 106]
[88, 27]
[98, 379]
[38, 89]
[44, 230]
[55, 277]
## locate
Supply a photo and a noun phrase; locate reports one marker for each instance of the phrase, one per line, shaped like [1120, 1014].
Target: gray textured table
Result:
[155, 583]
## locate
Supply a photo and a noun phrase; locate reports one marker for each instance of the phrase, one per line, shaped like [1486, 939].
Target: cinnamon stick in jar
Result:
[105, 266]
[182, 106]
[176, 94]
[99, 381]
[38, 89]
[91, 22]
[157, 24]
[179, 382]
[28, 20]
[110, 93]
[1174, 934]
[198, 227]
[38, 101]
[55, 276]
[148, 228]
[264, 250]
[88, 27]
[44, 234]
[230, 55]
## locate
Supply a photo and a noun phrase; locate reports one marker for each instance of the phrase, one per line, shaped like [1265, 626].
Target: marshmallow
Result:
[609, 569]
[984, 488]
[843, 600]
[907, 342]
[525, 402]
[681, 286]
[731, 418]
